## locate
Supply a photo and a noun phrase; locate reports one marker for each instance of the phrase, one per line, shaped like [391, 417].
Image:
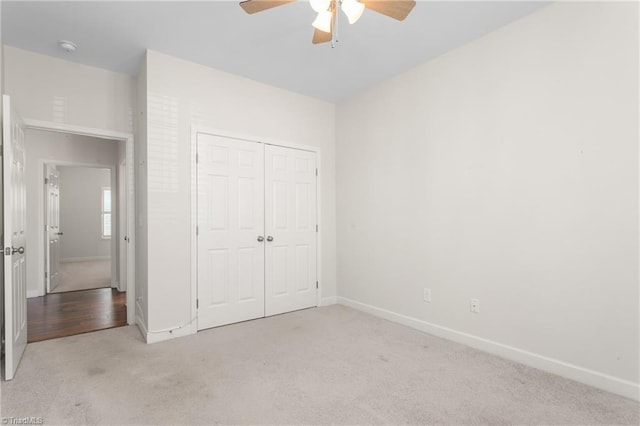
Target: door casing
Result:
[127, 138]
[122, 230]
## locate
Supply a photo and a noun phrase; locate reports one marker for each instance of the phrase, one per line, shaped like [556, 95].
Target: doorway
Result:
[79, 230]
[16, 218]
[77, 277]
[80, 234]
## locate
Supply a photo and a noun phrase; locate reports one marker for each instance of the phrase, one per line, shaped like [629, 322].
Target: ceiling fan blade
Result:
[255, 6]
[322, 37]
[397, 9]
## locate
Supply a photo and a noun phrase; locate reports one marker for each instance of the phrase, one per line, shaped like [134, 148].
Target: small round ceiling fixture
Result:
[67, 46]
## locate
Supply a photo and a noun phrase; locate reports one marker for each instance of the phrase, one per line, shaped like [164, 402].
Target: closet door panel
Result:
[230, 222]
[290, 218]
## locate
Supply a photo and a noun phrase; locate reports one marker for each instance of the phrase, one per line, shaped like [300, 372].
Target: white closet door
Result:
[290, 210]
[230, 230]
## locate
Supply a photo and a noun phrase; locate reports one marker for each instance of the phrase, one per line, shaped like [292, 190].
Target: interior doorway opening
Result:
[21, 215]
[77, 195]
[80, 229]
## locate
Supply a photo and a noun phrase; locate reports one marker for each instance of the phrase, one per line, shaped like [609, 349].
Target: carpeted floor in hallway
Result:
[317, 366]
[84, 275]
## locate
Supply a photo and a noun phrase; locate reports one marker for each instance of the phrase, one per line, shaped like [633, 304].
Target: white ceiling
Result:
[273, 47]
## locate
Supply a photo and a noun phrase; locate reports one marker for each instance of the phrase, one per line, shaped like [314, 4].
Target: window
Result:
[106, 213]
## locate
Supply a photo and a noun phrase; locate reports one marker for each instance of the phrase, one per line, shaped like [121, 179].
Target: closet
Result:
[256, 230]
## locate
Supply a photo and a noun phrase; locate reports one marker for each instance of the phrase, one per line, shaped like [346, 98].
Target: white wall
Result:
[81, 213]
[506, 170]
[181, 94]
[56, 148]
[50, 89]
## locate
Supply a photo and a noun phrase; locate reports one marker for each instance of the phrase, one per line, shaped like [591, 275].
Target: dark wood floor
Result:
[75, 312]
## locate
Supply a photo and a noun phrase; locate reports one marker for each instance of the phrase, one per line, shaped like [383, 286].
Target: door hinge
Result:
[197, 230]
[317, 285]
[316, 172]
[197, 158]
[316, 228]
[46, 275]
[197, 303]
[7, 251]
[46, 181]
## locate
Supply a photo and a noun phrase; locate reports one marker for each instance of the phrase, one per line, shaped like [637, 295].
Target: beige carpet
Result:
[318, 366]
[84, 275]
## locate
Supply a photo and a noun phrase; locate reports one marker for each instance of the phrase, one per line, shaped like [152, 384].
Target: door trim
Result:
[197, 129]
[127, 138]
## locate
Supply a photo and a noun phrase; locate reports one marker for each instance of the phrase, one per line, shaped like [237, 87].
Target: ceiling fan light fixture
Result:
[326, 22]
[320, 5]
[353, 9]
[323, 21]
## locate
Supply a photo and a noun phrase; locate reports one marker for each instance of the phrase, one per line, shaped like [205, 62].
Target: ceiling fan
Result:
[325, 22]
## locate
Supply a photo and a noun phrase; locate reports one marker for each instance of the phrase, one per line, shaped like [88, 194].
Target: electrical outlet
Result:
[427, 295]
[475, 306]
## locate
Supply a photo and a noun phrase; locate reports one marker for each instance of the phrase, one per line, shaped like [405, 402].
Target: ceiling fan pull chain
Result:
[335, 38]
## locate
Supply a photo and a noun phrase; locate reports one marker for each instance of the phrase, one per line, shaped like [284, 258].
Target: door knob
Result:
[260, 239]
[60, 233]
[19, 250]
[269, 238]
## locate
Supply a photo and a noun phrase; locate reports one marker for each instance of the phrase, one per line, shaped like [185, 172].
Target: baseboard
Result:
[84, 259]
[161, 336]
[583, 375]
[34, 293]
[326, 301]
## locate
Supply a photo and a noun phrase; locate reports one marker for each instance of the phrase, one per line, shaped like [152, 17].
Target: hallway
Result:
[76, 312]
[85, 275]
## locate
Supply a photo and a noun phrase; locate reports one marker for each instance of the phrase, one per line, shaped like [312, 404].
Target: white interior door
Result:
[230, 263]
[14, 212]
[53, 232]
[291, 228]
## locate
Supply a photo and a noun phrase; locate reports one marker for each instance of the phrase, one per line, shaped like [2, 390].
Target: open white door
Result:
[52, 228]
[14, 211]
